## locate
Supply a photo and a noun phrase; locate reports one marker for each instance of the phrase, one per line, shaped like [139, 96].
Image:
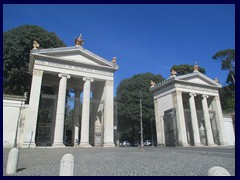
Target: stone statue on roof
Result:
[79, 41]
[35, 45]
[114, 60]
[195, 68]
[173, 73]
[152, 83]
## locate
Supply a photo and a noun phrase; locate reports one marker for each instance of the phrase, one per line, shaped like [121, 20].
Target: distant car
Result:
[147, 143]
[136, 143]
[125, 143]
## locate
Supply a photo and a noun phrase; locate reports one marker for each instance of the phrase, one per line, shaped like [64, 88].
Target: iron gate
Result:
[45, 122]
[47, 115]
[96, 117]
[170, 128]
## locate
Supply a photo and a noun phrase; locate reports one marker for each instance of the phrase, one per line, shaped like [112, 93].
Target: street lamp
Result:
[18, 121]
[141, 119]
[117, 136]
[16, 133]
[152, 131]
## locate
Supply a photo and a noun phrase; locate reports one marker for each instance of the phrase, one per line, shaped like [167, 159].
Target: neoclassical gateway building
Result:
[55, 73]
[72, 103]
[188, 111]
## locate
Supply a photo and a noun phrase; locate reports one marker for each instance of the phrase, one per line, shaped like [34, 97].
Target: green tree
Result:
[68, 121]
[227, 96]
[227, 93]
[227, 59]
[128, 99]
[17, 44]
[186, 69]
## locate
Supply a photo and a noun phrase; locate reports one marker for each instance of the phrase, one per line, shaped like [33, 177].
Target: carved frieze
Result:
[187, 87]
[74, 68]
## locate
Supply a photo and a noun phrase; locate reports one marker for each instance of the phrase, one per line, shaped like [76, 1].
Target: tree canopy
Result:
[128, 100]
[227, 93]
[186, 69]
[17, 44]
[227, 59]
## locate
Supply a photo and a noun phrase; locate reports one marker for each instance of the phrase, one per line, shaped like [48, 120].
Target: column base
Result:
[84, 145]
[109, 145]
[212, 144]
[28, 145]
[160, 145]
[198, 145]
[223, 144]
[76, 145]
[185, 145]
[58, 145]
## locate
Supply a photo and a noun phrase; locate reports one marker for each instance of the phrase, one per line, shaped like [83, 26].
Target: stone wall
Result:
[14, 110]
[228, 125]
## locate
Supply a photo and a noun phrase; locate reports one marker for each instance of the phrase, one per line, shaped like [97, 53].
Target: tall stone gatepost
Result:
[54, 72]
[188, 111]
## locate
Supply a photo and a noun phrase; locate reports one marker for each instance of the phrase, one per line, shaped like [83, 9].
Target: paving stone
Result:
[126, 161]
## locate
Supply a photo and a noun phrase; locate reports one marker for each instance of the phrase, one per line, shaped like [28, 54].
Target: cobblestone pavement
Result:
[125, 161]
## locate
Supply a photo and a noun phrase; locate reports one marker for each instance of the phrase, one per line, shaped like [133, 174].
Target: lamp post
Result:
[19, 117]
[141, 119]
[16, 133]
[117, 136]
[152, 131]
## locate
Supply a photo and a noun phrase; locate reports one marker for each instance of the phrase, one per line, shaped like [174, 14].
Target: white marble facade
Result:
[79, 69]
[188, 111]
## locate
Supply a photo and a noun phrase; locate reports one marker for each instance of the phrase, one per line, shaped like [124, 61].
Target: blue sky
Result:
[144, 38]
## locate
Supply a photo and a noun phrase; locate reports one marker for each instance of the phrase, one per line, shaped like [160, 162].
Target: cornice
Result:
[56, 60]
[72, 50]
[180, 80]
[88, 69]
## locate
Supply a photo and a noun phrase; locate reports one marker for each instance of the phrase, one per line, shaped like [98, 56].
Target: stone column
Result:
[31, 119]
[195, 128]
[55, 89]
[59, 124]
[108, 114]
[76, 118]
[207, 121]
[178, 104]
[219, 119]
[159, 125]
[85, 113]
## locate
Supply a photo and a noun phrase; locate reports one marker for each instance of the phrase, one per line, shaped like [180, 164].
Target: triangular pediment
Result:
[198, 79]
[74, 55]
[80, 59]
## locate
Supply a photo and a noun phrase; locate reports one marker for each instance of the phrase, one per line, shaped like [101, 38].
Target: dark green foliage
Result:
[227, 93]
[128, 99]
[227, 59]
[17, 44]
[186, 69]
[68, 121]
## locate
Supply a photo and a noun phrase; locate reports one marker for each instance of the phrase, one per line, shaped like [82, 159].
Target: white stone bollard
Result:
[67, 165]
[12, 162]
[218, 171]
